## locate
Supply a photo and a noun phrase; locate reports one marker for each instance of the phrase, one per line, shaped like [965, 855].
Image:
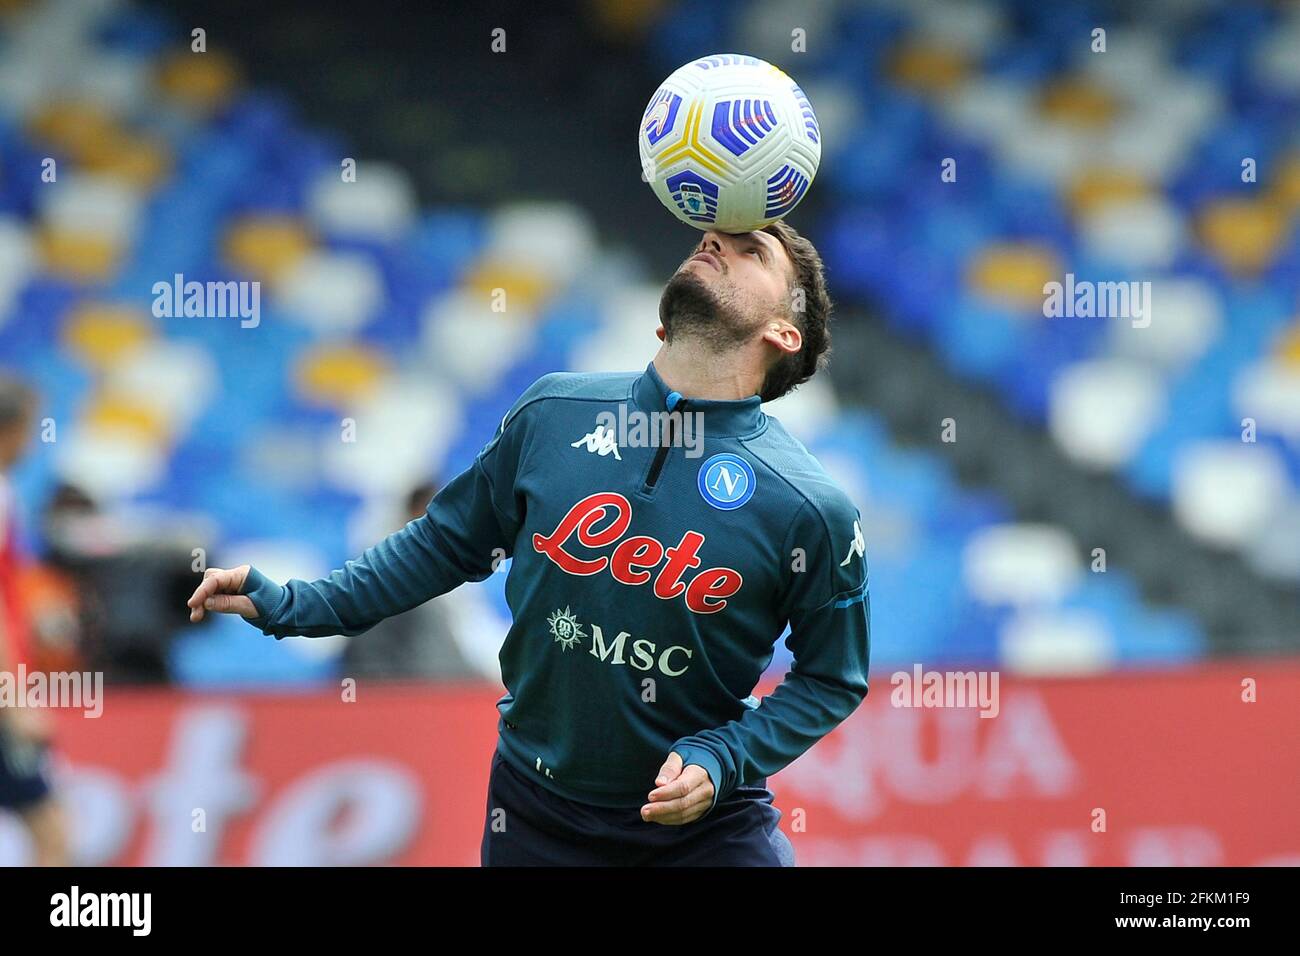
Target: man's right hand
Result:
[220, 592]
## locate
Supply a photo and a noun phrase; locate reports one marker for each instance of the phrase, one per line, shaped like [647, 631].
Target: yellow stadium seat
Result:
[524, 287]
[1077, 102]
[78, 257]
[138, 161]
[1014, 273]
[336, 375]
[928, 69]
[202, 81]
[97, 143]
[267, 247]
[1096, 187]
[73, 128]
[121, 415]
[1286, 185]
[1245, 235]
[99, 334]
[1288, 346]
[626, 18]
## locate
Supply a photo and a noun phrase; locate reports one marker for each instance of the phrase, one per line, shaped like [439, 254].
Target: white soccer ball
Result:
[729, 142]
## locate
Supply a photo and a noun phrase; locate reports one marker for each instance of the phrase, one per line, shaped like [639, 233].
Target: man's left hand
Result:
[681, 794]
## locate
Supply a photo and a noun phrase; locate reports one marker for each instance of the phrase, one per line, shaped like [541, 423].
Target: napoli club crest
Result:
[726, 481]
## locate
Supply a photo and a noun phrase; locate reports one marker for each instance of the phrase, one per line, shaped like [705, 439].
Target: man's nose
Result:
[713, 242]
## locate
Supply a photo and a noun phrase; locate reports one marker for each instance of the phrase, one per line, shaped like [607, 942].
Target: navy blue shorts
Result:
[24, 773]
[541, 828]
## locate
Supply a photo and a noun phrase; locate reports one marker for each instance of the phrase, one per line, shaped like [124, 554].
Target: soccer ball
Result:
[729, 142]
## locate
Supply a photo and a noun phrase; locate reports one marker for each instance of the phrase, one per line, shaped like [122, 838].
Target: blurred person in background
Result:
[420, 643]
[25, 734]
[125, 568]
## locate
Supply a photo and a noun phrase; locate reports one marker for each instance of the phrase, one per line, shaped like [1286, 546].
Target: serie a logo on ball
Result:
[729, 142]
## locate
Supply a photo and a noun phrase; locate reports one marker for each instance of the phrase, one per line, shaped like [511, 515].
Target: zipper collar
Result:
[721, 418]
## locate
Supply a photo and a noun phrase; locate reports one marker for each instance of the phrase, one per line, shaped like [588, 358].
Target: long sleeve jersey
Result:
[659, 546]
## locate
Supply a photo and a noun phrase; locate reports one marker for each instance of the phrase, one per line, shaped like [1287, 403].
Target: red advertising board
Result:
[1133, 769]
[1138, 769]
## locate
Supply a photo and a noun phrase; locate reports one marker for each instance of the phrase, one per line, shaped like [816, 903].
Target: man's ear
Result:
[783, 335]
[660, 332]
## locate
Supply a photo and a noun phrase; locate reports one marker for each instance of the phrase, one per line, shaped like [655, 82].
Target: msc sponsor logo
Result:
[565, 628]
[642, 654]
[634, 559]
[622, 648]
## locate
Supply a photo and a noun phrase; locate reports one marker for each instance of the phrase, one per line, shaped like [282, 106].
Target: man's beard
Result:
[690, 308]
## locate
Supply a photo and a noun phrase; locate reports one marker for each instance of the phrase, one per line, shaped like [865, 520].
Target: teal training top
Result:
[654, 567]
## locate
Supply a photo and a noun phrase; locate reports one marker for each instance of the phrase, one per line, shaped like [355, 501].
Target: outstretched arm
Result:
[464, 532]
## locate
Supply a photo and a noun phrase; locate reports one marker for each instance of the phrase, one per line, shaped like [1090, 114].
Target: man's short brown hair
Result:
[813, 320]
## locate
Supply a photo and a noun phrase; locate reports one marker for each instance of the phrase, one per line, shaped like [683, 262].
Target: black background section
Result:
[467, 909]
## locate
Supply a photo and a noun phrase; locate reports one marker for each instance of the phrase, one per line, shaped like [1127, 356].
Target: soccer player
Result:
[24, 733]
[652, 574]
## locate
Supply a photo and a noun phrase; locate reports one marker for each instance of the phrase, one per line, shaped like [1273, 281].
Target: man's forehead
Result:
[776, 248]
[763, 236]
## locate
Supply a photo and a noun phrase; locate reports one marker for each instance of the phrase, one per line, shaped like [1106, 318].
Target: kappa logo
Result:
[602, 441]
[858, 545]
[726, 481]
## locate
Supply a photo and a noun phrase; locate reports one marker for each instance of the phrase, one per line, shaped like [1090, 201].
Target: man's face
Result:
[729, 288]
